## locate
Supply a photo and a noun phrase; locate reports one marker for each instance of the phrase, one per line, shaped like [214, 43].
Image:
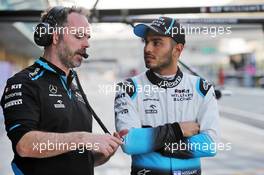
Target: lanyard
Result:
[95, 116]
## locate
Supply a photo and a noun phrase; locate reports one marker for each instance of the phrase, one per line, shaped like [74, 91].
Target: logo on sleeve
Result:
[122, 95]
[32, 74]
[15, 94]
[206, 85]
[16, 86]
[121, 104]
[13, 103]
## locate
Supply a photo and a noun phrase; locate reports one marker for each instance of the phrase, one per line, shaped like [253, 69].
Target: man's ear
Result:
[177, 49]
[55, 38]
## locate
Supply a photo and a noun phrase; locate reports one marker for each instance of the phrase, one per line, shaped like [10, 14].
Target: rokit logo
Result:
[152, 110]
[170, 84]
[59, 104]
[16, 86]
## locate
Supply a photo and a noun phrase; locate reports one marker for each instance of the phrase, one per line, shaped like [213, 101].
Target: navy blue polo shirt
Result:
[42, 98]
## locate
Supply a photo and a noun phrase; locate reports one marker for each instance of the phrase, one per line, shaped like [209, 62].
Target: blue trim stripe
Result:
[136, 88]
[16, 170]
[38, 76]
[64, 78]
[65, 87]
[13, 127]
[198, 87]
[171, 25]
[45, 65]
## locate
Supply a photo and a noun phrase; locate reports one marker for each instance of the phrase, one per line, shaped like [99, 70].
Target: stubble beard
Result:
[66, 57]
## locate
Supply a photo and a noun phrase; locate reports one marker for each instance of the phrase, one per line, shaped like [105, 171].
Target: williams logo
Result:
[206, 85]
[32, 74]
[152, 110]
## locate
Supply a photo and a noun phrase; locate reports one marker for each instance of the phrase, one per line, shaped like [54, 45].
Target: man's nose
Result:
[148, 48]
[85, 43]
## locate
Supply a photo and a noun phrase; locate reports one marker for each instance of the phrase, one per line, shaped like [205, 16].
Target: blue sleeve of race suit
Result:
[146, 140]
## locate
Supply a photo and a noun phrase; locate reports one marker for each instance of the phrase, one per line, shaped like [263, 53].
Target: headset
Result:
[43, 31]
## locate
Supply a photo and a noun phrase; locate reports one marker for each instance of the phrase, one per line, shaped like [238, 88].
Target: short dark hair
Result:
[61, 18]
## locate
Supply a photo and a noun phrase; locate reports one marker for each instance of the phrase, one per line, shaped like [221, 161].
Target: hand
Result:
[106, 144]
[189, 128]
[101, 158]
[121, 134]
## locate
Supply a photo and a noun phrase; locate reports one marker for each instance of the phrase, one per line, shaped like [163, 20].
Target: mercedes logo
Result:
[53, 89]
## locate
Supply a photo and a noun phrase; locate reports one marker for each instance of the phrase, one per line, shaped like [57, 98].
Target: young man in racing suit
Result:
[172, 117]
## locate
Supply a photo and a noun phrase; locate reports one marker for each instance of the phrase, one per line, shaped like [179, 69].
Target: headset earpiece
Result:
[43, 31]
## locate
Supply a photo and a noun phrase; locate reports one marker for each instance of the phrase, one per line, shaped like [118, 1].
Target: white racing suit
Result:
[151, 108]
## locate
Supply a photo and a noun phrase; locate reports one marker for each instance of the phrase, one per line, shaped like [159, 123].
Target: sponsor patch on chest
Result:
[59, 104]
[152, 109]
[182, 95]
